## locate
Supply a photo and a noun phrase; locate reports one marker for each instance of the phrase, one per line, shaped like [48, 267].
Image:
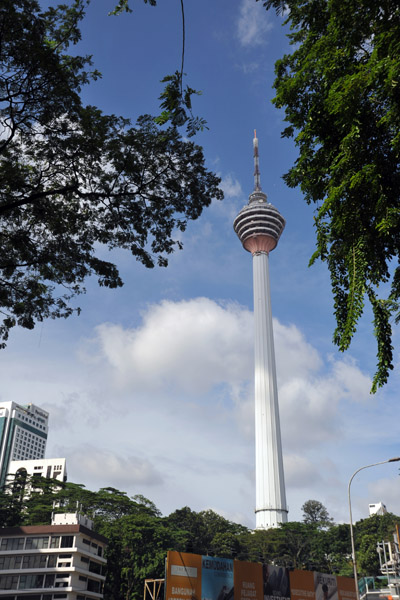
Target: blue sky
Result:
[150, 390]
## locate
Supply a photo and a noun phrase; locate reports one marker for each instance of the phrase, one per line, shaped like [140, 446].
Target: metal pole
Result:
[353, 550]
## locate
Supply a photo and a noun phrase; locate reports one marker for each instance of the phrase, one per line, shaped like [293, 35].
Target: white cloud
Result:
[248, 67]
[189, 346]
[203, 351]
[310, 401]
[93, 464]
[356, 384]
[300, 472]
[231, 187]
[309, 411]
[71, 406]
[230, 205]
[243, 399]
[294, 355]
[253, 23]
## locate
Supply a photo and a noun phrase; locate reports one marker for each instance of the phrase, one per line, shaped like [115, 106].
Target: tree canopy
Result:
[340, 89]
[315, 513]
[75, 181]
[139, 536]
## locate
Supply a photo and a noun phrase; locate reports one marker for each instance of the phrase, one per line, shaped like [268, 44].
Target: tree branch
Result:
[38, 196]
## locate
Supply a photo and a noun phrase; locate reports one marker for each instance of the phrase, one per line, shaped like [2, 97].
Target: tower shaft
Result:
[271, 506]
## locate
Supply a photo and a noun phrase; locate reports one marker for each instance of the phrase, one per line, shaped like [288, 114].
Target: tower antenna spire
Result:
[257, 184]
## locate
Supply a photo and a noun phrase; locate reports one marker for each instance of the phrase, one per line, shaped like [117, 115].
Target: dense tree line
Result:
[139, 536]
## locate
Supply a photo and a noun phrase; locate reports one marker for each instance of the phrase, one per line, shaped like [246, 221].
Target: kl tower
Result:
[259, 226]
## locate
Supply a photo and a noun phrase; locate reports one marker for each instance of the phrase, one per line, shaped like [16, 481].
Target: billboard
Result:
[216, 578]
[248, 581]
[346, 588]
[276, 583]
[325, 586]
[195, 577]
[183, 576]
[302, 585]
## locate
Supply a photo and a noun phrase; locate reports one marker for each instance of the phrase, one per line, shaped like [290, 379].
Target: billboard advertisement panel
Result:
[195, 577]
[325, 586]
[302, 585]
[183, 576]
[248, 581]
[216, 578]
[346, 588]
[276, 583]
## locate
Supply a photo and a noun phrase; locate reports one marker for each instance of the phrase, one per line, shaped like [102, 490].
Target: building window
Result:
[30, 581]
[55, 541]
[34, 561]
[8, 582]
[67, 541]
[51, 563]
[10, 562]
[93, 586]
[95, 567]
[12, 544]
[36, 543]
[49, 581]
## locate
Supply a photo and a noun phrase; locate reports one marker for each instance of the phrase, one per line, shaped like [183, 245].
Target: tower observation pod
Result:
[259, 226]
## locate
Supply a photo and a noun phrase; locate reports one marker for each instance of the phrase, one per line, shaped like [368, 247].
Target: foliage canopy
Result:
[76, 182]
[315, 513]
[139, 536]
[340, 89]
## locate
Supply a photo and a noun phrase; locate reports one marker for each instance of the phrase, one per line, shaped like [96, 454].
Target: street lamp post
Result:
[353, 550]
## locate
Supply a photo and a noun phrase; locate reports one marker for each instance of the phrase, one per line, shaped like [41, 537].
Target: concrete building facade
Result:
[377, 509]
[62, 561]
[50, 468]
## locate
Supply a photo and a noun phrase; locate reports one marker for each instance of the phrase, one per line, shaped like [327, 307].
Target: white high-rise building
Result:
[23, 434]
[26, 471]
[377, 509]
[259, 226]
